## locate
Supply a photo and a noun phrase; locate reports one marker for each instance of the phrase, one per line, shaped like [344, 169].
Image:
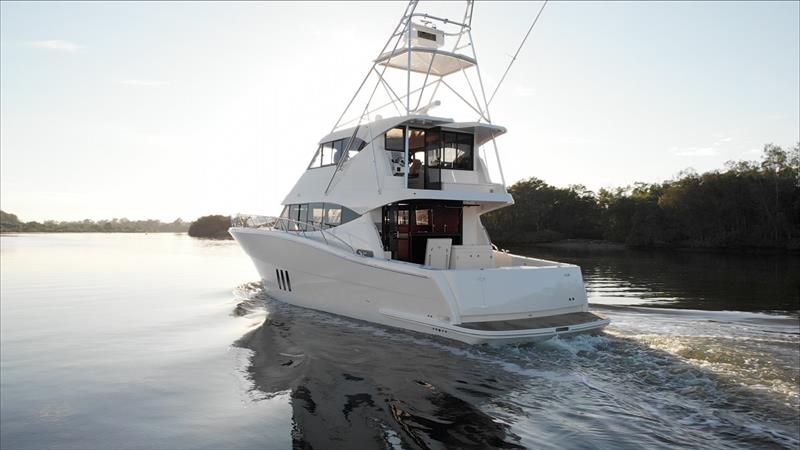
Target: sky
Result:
[166, 110]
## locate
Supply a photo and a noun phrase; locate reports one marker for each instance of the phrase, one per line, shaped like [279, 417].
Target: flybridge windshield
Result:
[330, 153]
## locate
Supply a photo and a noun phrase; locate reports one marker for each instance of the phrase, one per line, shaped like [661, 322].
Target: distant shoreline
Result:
[579, 245]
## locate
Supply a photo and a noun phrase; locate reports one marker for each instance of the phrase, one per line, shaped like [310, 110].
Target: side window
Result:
[464, 158]
[402, 217]
[293, 214]
[316, 214]
[457, 151]
[293, 209]
[327, 153]
[338, 150]
[433, 147]
[356, 145]
[302, 214]
[423, 217]
[321, 215]
[395, 139]
[348, 215]
[317, 161]
[449, 149]
[330, 153]
[333, 215]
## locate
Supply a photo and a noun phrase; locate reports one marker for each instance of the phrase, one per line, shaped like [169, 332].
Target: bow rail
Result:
[295, 227]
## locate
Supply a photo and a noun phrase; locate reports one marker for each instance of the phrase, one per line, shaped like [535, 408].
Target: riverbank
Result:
[748, 206]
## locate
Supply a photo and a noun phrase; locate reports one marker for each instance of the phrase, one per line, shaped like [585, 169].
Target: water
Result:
[164, 341]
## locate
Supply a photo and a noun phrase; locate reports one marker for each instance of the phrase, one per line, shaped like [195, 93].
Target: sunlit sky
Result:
[166, 110]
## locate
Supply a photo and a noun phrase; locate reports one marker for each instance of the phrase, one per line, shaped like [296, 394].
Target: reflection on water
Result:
[353, 382]
[120, 341]
[676, 279]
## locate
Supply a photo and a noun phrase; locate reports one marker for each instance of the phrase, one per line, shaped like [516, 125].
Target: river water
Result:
[164, 341]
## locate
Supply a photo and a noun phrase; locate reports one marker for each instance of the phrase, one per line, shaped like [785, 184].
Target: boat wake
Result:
[654, 379]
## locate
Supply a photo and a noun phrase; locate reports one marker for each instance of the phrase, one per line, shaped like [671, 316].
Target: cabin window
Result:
[317, 161]
[333, 215]
[302, 215]
[457, 151]
[348, 215]
[338, 150]
[423, 216]
[327, 154]
[330, 153]
[294, 211]
[313, 216]
[402, 217]
[416, 139]
[316, 213]
[356, 145]
[395, 139]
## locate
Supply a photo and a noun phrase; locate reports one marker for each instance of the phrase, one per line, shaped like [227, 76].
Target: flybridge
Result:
[428, 62]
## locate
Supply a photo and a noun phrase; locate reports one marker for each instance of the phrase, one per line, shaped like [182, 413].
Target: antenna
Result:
[514, 58]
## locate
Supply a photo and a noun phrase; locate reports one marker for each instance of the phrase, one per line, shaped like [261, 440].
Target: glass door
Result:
[433, 166]
[424, 167]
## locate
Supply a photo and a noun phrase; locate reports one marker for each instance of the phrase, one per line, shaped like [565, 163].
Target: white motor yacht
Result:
[385, 223]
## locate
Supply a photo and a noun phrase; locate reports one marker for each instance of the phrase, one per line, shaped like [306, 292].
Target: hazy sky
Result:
[165, 110]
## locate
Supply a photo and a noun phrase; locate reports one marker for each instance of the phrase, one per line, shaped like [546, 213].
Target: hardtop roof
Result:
[369, 131]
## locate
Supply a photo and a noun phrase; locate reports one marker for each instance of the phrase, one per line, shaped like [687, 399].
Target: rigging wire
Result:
[514, 58]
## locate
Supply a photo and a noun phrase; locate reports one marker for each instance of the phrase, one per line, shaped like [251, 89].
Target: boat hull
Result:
[447, 303]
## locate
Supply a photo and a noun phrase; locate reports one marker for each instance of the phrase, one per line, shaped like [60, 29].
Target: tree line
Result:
[749, 204]
[11, 223]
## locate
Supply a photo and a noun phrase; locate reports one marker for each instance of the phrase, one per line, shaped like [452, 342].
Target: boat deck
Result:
[560, 320]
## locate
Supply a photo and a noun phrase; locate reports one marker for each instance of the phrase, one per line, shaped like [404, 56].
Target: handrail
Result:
[286, 225]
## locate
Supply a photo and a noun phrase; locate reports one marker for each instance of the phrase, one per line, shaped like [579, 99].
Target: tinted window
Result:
[293, 212]
[338, 150]
[302, 213]
[395, 139]
[464, 158]
[320, 215]
[330, 153]
[355, 146]
[316, 211]
[348, 215]
[293, 209]
[457, 151]
[416, 139]
[423, 216]
[333, 215]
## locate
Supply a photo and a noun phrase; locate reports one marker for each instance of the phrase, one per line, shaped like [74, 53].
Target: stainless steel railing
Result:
[295, 227]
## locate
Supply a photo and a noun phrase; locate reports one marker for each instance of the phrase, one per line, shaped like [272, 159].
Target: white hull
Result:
[475, 306]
